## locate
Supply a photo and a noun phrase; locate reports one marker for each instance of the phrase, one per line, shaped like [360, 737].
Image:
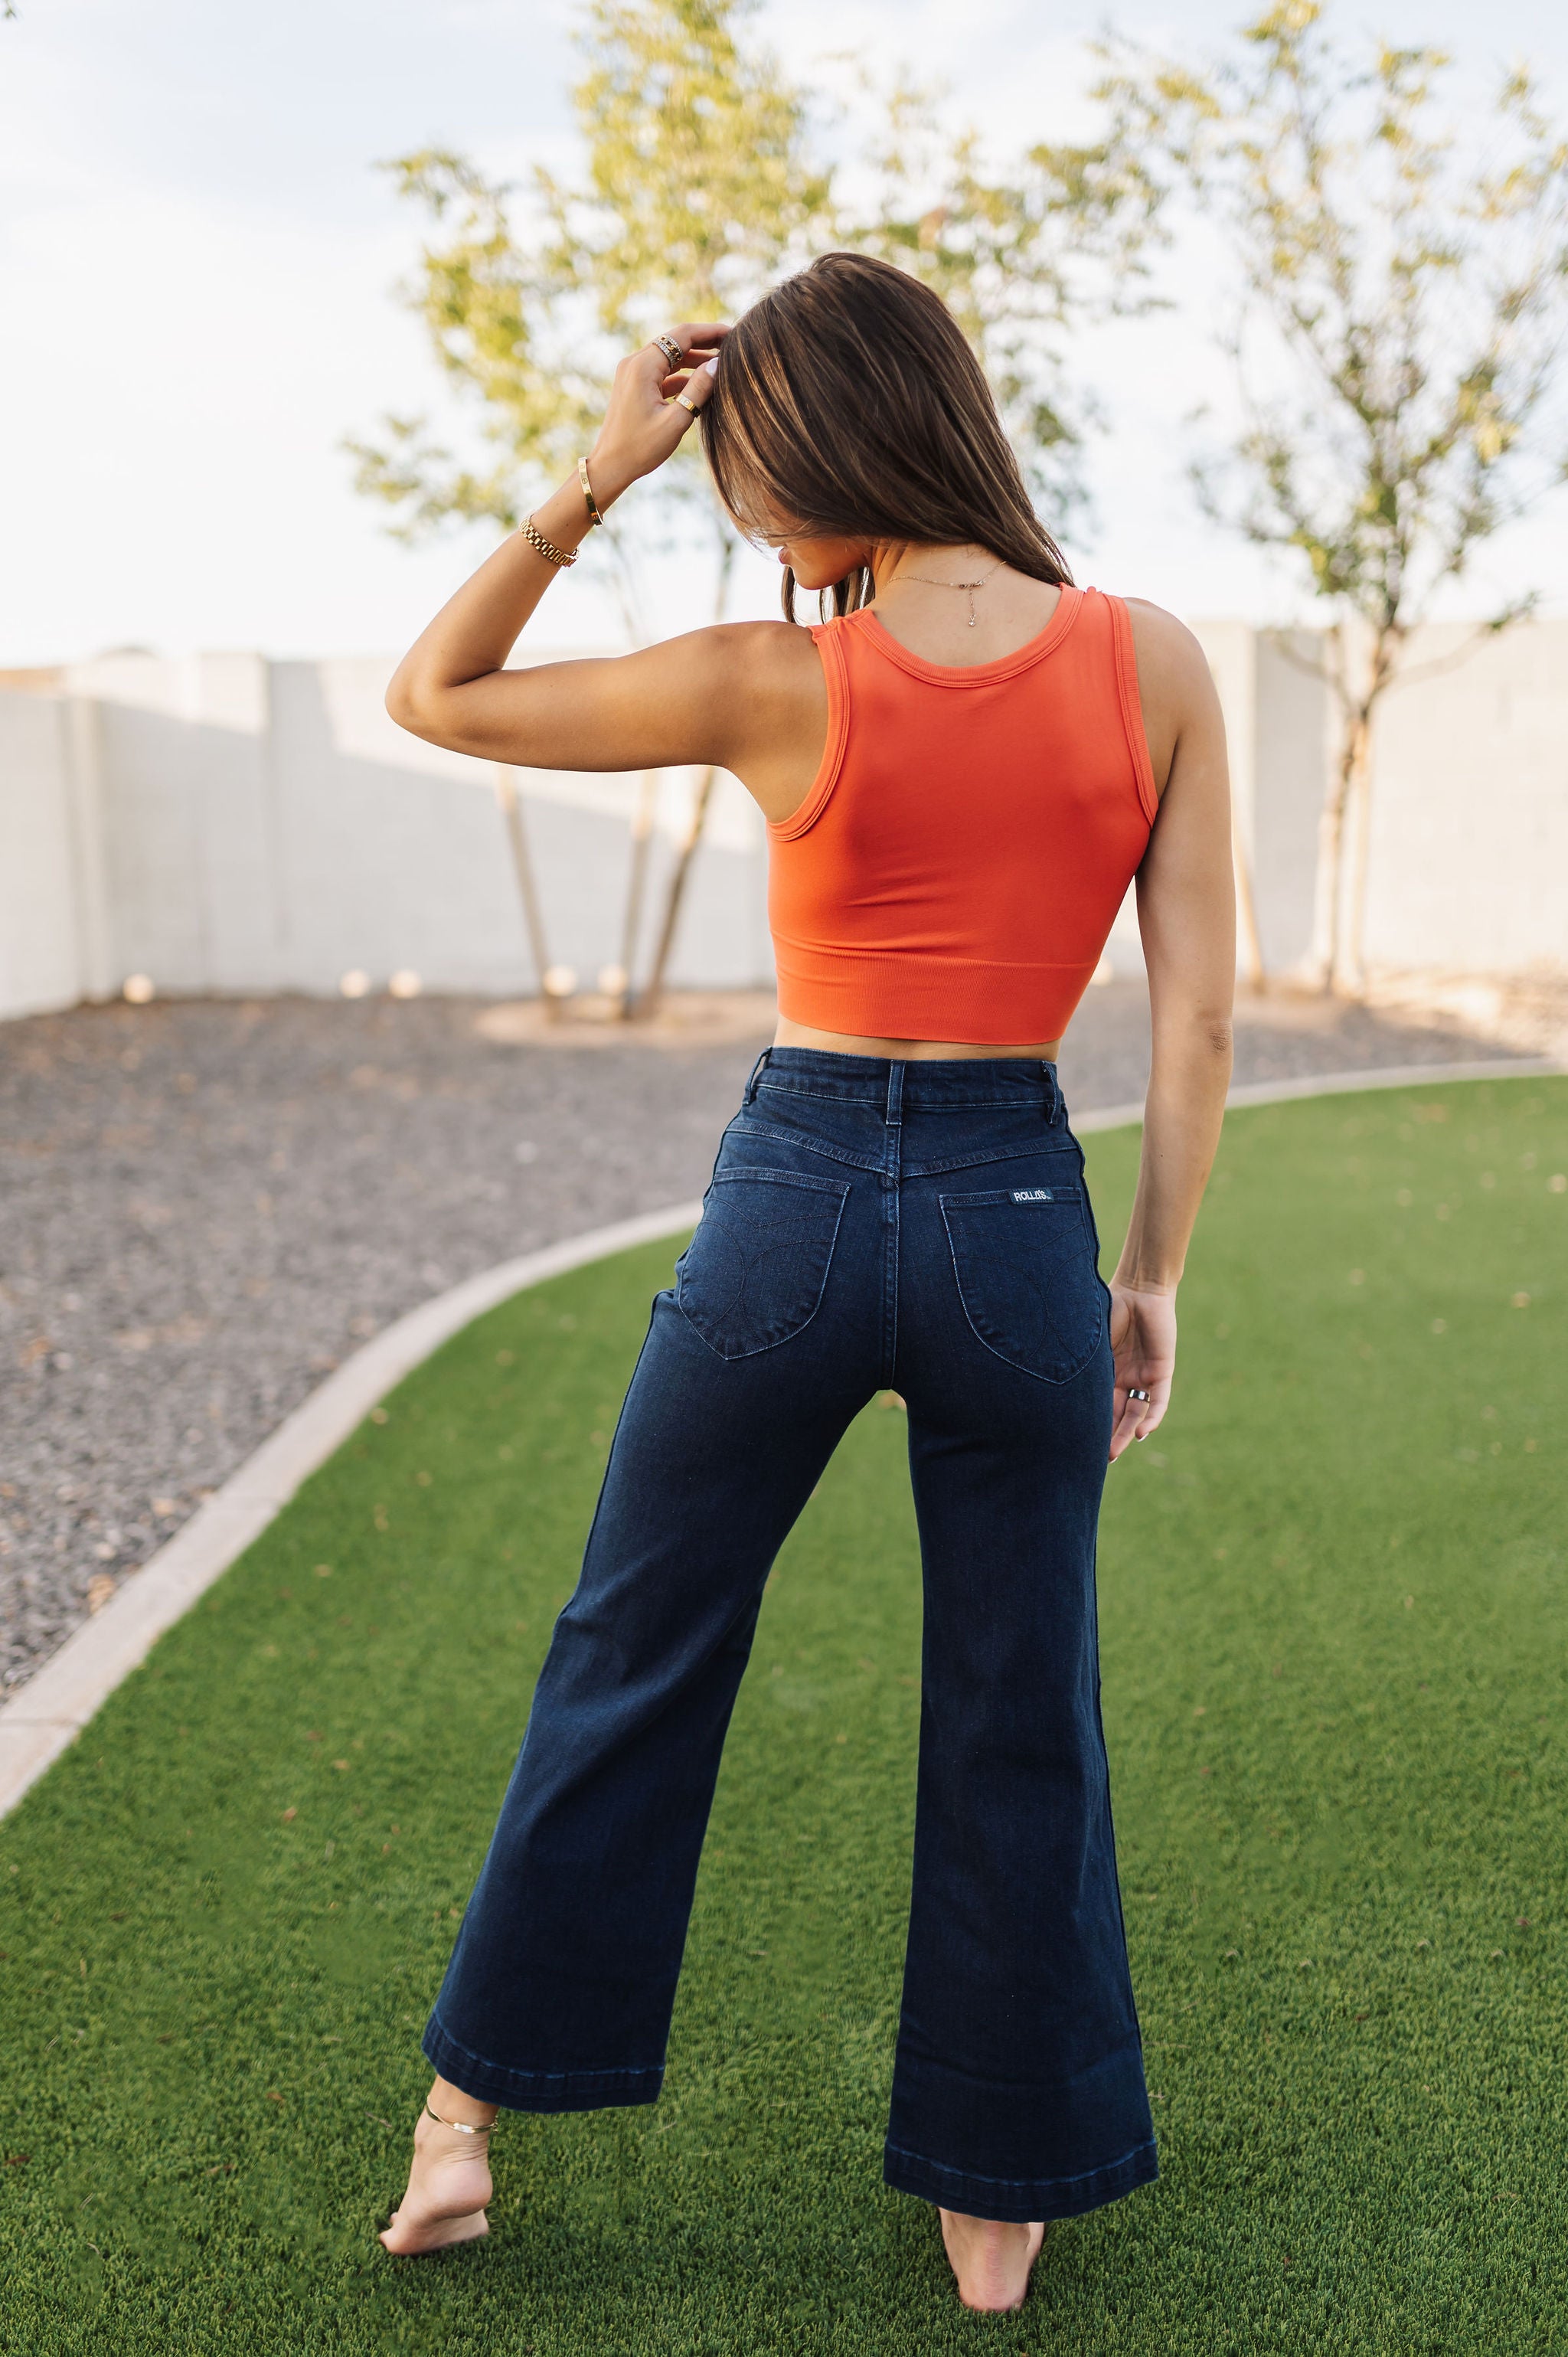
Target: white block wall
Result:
[40, 943]
[1469, 837]
[230, 824]
[224, 824]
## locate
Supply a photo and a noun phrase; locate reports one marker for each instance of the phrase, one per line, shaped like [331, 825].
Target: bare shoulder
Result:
[767, 702]
[1176, 687]
[740, 664]
[1168, 653]
[756, 697]
[769, 653]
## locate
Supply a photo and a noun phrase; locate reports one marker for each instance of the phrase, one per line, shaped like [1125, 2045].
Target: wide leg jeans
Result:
[921, 1226]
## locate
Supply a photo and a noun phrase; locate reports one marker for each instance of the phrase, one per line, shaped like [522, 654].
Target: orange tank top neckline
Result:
[1063, 616]
[959, 860]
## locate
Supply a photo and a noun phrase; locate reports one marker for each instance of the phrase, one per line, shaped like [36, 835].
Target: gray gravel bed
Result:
[205, 1206]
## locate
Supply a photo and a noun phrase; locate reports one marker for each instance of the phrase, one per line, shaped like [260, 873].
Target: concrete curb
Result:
[1334, 1084]
[53, 1708]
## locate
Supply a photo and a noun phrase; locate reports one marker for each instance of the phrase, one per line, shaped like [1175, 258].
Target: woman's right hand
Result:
[645, 422]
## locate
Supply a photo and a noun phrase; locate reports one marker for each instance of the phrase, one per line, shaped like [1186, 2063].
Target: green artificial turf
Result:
[1334, 1647]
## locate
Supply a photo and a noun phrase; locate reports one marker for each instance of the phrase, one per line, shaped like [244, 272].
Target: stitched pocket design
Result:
[754, 1272]
[1024, 1260]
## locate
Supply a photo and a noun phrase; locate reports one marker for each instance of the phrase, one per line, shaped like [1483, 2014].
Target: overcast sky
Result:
[197, 260]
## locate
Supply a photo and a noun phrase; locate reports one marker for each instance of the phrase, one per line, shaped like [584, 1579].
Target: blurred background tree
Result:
[1060, 234]
[1402, 292]
[705, 179]
[697, 192]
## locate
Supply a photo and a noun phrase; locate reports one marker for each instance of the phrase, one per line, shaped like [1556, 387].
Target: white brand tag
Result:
[1033, 1195]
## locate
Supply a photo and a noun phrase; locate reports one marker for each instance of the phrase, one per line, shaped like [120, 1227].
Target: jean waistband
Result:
[934, 1084]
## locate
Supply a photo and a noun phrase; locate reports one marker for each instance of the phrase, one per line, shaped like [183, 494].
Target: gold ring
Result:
[682, 402]
[670, 349]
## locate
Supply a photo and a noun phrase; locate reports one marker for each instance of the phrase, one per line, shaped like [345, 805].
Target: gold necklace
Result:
[931, 583]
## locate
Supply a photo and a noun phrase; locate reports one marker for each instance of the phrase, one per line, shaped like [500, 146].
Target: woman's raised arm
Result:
[1187, 916]
[667, 705]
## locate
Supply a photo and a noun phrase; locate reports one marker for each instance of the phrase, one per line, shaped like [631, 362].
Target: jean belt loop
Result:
[894, 1112]
[757, 1072]
[1053, 1093]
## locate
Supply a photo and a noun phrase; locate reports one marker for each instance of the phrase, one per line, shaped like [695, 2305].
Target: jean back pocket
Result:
[754, 1274]
[1024, 1260]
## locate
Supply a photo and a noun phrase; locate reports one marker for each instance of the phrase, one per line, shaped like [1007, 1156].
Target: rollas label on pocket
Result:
[1028, 1283]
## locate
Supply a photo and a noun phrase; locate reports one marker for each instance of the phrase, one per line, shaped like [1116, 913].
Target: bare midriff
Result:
[903, 1051]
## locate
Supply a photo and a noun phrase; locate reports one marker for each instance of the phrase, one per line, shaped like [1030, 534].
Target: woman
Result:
[960, 779]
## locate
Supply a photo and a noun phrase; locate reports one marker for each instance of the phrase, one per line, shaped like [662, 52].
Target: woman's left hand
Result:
[1143, 1342]
[647, 418]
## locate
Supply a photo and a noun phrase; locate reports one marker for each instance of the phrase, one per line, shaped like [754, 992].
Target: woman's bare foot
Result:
[449, 2181]
[991, 2260]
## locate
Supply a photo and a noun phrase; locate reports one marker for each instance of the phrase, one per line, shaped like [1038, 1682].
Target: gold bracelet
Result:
[547, 548]
[594, 515]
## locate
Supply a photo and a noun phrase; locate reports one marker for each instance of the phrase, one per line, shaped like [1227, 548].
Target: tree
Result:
[1403, 269]
[1020, 256]
[698, 192]
[702, 185]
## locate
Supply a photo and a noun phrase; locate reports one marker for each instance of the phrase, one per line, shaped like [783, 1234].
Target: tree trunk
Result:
[1329, 946]
[625, 581]
[646, 1001]
[1338, 962]
[522, 867]
[647, 998]
[636, 886]
[1351, 978]
[1323, 955]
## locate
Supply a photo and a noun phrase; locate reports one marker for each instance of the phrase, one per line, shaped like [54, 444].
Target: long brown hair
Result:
[848, 402]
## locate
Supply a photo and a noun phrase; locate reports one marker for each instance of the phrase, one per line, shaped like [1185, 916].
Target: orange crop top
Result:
[960, 860]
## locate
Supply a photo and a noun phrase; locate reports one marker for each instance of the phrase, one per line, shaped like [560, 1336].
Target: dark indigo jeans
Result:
[922, 1226]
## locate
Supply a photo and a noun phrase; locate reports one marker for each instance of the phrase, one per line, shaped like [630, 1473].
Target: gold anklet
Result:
[462, 2126]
